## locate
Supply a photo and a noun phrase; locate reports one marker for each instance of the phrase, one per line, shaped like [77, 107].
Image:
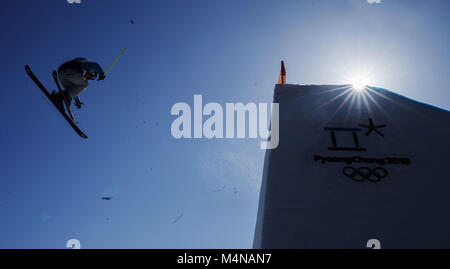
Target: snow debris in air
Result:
[221, 189]
[175, 221]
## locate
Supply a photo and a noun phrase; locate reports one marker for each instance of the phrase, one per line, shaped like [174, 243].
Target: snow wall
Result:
[354, 166]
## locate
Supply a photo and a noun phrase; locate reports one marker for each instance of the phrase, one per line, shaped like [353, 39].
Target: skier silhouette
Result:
[74, 76]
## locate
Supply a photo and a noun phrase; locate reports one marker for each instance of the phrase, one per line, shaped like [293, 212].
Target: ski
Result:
[55, 77]
[60, 109]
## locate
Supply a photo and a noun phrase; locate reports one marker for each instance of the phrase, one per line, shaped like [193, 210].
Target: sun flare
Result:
[360, 81]
[358, 84]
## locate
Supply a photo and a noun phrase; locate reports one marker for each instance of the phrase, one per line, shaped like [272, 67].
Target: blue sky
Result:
[229, 51]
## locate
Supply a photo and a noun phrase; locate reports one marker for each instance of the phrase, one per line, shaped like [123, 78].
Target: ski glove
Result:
[78, 104]
[101, 76]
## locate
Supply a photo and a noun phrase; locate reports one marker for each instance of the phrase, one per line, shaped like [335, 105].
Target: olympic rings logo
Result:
[365, 173]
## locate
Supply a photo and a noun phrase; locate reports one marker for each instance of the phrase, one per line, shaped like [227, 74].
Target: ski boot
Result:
[58, 99]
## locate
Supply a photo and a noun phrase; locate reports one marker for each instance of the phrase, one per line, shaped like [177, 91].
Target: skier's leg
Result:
[68, 98]
[73, 82]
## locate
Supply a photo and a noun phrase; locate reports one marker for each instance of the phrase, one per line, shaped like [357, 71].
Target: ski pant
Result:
[73, 82]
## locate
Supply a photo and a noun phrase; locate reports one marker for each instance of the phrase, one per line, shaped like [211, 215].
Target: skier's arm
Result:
[94, 67]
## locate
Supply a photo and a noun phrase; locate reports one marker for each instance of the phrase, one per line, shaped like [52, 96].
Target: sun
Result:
[358, 84]
[360, 81]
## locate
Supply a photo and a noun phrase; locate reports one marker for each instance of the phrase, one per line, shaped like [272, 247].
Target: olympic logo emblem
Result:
[365, 173]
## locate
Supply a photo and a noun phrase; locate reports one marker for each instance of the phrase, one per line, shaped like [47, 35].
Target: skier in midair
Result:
[74, 76]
